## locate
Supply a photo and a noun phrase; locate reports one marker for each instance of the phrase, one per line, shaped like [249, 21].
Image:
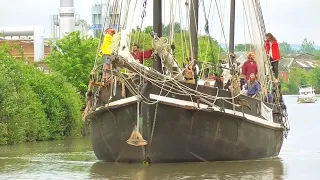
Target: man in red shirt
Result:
[141, 55]
[250, 66]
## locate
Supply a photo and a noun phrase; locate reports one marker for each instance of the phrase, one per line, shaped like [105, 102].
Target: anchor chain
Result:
[154, 123]
[147, 159]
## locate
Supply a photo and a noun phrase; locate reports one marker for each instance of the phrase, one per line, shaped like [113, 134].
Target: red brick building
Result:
[27, 46]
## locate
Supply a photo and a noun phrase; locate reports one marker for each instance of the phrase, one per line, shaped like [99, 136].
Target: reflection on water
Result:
[74, 159]
[67, 159]
[262, 169]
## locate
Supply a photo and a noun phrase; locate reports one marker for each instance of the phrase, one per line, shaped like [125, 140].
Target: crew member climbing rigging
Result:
[106, 52]
[272, 48]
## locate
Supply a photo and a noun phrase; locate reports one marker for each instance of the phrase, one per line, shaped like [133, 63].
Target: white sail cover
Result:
[266, 112]
[258, 43]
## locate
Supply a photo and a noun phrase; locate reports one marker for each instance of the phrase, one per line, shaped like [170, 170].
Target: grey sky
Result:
[288, 20]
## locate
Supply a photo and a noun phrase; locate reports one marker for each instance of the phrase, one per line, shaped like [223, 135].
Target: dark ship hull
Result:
[177, 131]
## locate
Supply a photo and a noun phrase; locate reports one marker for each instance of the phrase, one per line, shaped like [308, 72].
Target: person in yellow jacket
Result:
[106, 52]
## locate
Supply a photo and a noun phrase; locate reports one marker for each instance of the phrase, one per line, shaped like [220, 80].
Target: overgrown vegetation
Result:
[35, 106]
[73, 57]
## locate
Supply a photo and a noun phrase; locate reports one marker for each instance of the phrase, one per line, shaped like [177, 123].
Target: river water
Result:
[74, 159]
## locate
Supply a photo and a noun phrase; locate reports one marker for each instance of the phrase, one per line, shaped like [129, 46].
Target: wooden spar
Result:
[120, 61]
[232, 28]
[194, 27]
[194, 18]
[157, 28]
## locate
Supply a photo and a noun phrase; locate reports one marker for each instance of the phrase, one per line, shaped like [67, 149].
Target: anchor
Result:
[136, 138]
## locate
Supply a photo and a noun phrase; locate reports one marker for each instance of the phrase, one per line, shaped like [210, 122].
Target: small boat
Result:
[306, 95]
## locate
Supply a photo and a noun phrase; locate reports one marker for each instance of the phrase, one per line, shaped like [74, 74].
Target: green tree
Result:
[73, 57]
[316, 55]
[299, 77]
[166, 29]
[307, 46]
[243, 47]
[207, 52]
[285, 48]
[29, 100]
[84, 27]
[148, 29]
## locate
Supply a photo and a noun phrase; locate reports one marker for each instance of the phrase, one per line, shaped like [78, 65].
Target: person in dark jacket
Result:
[219, 82]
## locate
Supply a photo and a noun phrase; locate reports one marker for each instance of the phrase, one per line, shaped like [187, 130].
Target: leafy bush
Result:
[35, 106]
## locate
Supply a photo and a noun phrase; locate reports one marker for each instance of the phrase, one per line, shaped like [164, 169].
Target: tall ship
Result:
[155, 114]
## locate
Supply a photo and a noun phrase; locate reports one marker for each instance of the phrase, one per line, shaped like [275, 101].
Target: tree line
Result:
[307, 46]
[209, 49]
[299, 77]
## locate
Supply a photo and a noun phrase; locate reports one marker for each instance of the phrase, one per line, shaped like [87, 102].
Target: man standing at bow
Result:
[106, 52]
[141, 55]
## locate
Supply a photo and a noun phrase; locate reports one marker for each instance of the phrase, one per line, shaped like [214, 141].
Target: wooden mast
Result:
[231, 35]
[194, 18]
[157, 28]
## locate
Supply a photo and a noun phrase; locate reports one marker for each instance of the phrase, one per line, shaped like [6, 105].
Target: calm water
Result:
[74, 159]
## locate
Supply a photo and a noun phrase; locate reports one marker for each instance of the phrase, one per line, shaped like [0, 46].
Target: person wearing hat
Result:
[250, 66]
[106, 52]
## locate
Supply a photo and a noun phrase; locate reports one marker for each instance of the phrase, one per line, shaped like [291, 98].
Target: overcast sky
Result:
[288, 20]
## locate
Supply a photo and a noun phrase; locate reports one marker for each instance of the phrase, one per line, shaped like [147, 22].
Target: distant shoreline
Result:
[293, 46]
[318, 95]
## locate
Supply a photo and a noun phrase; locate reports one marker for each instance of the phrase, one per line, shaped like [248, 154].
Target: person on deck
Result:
[191, 71]
[272, 48]
[252, 86]
[141, 55]
[106, 52]
[213, 77]
[219, 83]
[268, 98]
[250, 66]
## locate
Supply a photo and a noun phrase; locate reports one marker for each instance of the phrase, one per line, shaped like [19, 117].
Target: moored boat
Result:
[306, 95]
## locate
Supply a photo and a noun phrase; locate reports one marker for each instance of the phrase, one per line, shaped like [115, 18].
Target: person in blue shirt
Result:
[252, 86]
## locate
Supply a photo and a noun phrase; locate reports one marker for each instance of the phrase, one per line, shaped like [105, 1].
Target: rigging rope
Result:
[207, 29]
[143, 15]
